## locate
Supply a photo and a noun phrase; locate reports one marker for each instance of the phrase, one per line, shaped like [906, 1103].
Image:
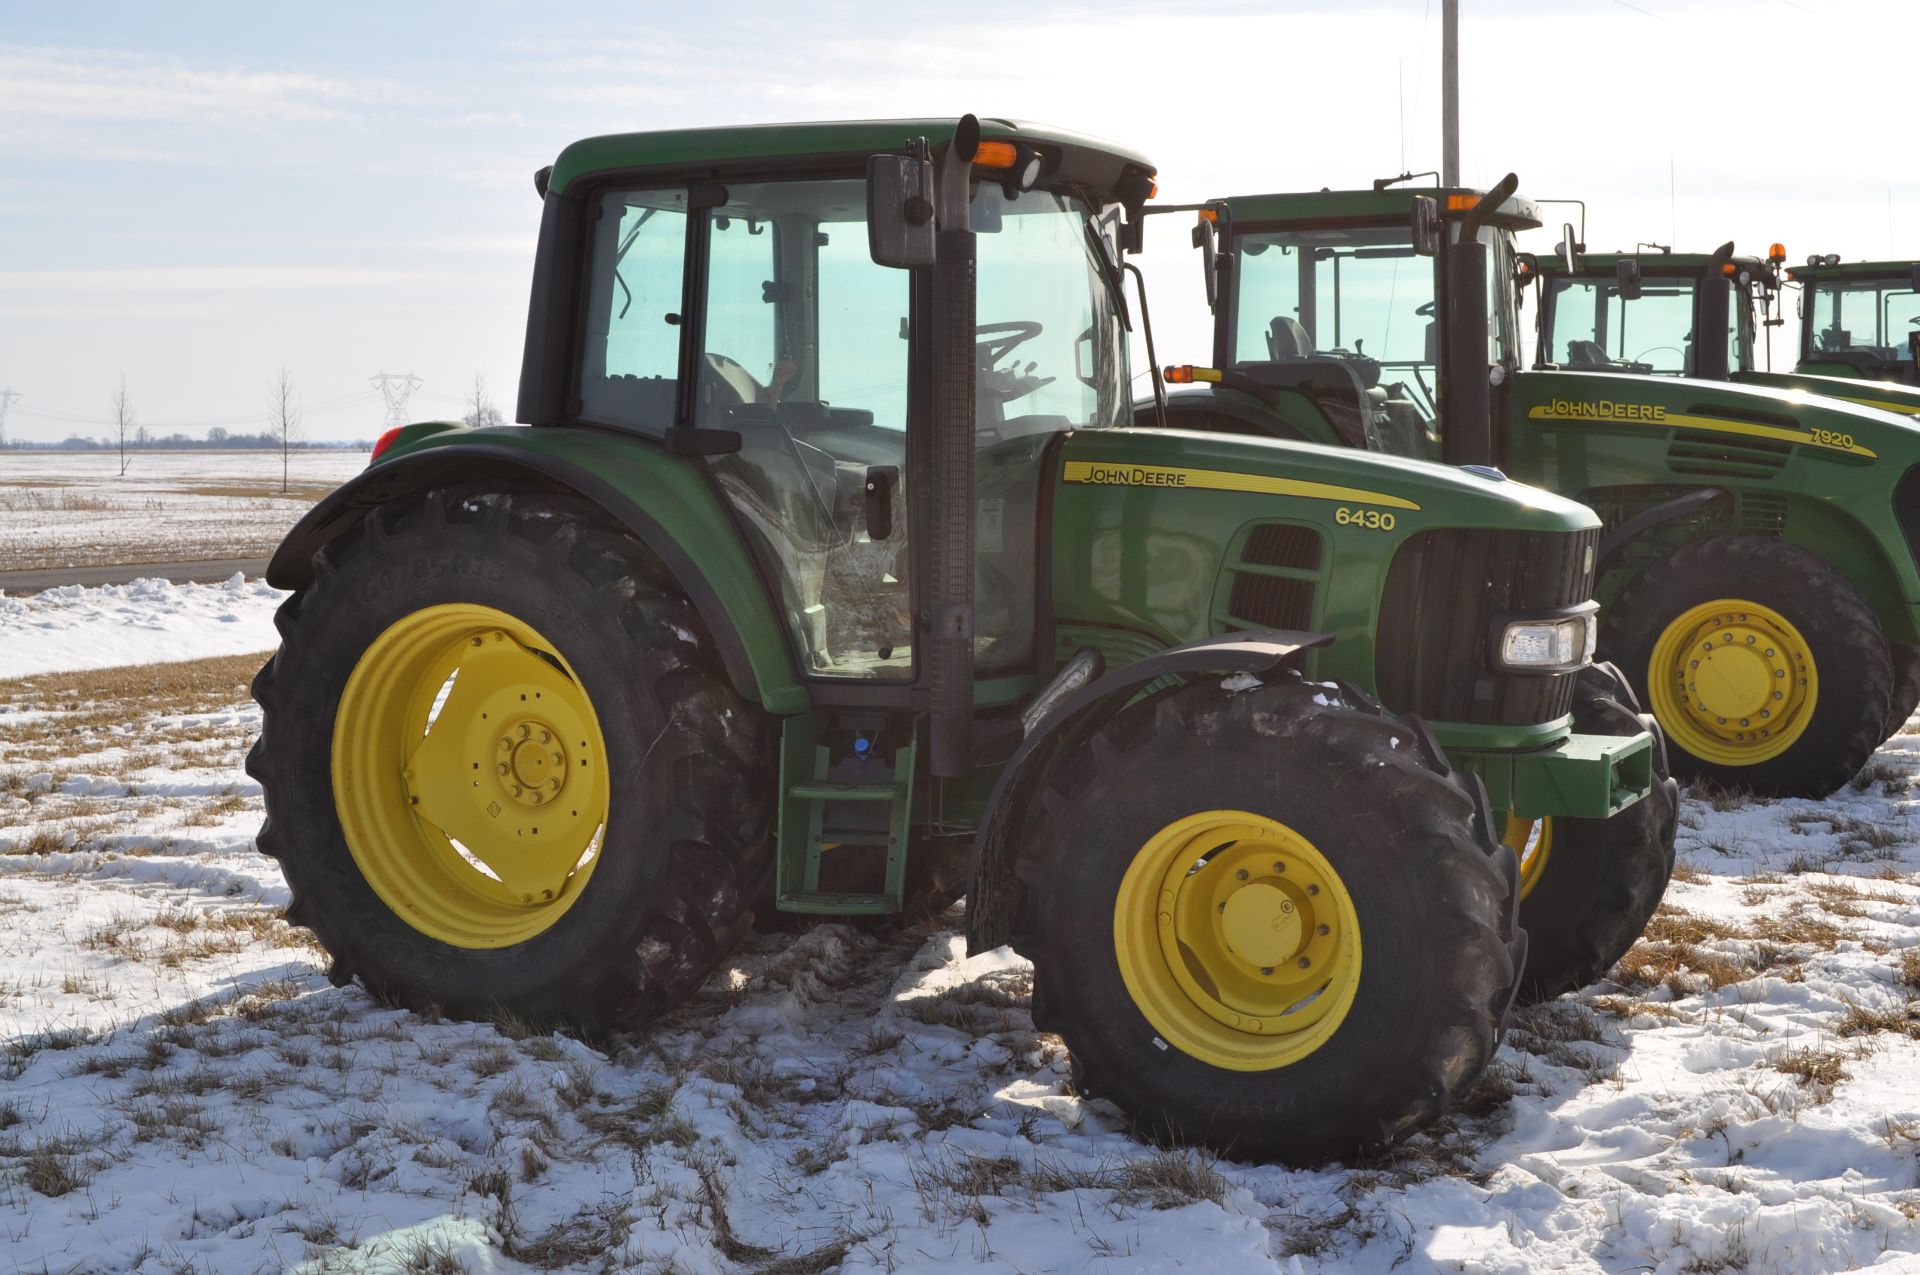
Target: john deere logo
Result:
[1135, 476]
[1601, 410]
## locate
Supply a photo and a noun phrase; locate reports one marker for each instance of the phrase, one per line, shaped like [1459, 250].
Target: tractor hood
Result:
[1887, 396]
[1417, 494]
[1780, 427]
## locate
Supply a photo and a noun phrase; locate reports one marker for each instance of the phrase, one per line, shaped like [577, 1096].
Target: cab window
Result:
[630, 355]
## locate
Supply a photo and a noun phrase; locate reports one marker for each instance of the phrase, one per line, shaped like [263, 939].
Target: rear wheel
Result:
[1588, 887]
[502, 770]
[1763, 662]
[1270, 921]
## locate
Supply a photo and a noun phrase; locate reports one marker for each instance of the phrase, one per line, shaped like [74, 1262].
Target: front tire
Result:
[1588, 887]
[1762, 661]
[430, 842]
[1270, 921]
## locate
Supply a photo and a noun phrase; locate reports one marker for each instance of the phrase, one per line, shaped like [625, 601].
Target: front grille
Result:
[1432, 654]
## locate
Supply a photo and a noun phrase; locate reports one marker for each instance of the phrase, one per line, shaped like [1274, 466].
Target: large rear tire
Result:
[472, 691]
[1763, 662]
[1270, 921]
[1906, 689]
[1588, 887]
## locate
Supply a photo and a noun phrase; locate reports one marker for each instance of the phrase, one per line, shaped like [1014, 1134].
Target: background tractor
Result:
[1757, 573]
[1860, 320]
[822, 554]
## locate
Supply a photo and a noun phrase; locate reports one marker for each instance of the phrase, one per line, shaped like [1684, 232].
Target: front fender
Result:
[996, 884]
[662, 500]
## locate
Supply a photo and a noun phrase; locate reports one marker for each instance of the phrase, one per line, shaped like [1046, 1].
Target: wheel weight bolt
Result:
[1306, 962]
[1279, 867]
[1322, 931]
[1241, 874]
[1313, 889]
[1266, 969]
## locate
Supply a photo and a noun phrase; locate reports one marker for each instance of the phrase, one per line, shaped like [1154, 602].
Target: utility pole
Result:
[7, 398]
[1449, 92]
[396, 390]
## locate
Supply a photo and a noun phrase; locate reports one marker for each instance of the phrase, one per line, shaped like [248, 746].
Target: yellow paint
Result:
[1733, 682]
[1102, 473]
[1564, 412]
[1532, 841]
[1237, 940]
[479, 823]
[1904, 409]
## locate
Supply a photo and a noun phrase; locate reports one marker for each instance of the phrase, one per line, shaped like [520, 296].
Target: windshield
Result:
[1865, 316]
[1050, 343]
[1592, 326]
[1354, 304]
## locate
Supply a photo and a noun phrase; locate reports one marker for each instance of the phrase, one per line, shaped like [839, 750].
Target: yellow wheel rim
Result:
[470, 776]
[1532, 841]
[1733, 682]
[1237, 940]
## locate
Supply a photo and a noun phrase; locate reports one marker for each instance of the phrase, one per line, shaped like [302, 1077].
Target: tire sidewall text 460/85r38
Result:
[1353, 827]
[687, 788]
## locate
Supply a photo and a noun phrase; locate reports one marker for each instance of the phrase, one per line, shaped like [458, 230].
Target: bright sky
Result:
[194, 197]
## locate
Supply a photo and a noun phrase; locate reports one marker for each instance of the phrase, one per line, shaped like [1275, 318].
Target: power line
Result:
[396, 390]
[7, 397]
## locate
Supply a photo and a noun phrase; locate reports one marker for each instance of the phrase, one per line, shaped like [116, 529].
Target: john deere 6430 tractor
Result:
[1757, 572]
[821, 551]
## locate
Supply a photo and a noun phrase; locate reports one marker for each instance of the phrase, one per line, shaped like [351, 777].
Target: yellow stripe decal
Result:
[1118, 475]
[1660, 418]
[1905, 409]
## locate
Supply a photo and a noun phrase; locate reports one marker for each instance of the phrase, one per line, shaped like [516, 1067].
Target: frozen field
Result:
[181, 1090]
[69, 509]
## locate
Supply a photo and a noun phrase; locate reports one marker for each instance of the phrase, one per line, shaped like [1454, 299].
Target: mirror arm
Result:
[1153, 359]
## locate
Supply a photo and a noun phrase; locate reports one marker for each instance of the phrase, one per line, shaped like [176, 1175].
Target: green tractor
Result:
[1859, 321]
[824, 565]
[1757, 573]
[1637, 313]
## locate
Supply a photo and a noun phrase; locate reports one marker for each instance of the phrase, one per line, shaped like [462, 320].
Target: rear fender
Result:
[654, 496]
[997, 883]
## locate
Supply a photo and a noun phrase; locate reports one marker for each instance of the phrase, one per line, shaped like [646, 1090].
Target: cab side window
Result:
[630, 366]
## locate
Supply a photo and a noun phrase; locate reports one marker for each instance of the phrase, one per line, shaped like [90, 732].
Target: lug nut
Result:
[1266, 969]
[1306, 963]
[502, 768]
[1322, 930]
[1313, 889]
[1279, 867]
[514, 789]
[1241, 874]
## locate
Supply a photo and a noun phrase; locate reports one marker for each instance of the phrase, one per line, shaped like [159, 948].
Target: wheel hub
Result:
[469, 775]
[1733, 682]
[534, 771]
[1238, 940]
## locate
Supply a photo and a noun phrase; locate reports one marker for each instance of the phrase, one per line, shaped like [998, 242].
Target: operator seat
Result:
[1287, 339]
[1333, 380]
[1586, 354]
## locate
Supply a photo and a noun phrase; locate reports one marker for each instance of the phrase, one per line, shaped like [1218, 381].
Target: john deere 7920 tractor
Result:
[821, 552]
[1860, 320]
[1757, 572]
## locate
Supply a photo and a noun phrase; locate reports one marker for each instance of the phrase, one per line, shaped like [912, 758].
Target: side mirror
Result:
[1626, 276]
[1424, 222]
[1203, 239]
[1526, 268]
[900, 228]
[1569, 247]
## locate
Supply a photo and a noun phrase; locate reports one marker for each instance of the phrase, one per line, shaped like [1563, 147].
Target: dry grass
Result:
[1897, 1020]
[1818, 1069]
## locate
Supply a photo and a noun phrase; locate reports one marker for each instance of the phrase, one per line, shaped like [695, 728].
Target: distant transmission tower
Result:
[396, 390]
[7, 398]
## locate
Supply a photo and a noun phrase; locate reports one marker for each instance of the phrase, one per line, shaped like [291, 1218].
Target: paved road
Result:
[18, 582]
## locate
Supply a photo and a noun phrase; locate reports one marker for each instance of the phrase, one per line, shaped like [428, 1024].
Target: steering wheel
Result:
[1426, 311]
[997, 340]
[1655, 349]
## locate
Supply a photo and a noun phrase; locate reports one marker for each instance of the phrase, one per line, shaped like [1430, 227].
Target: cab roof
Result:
[1079, 157]
[1372, 205]
[1900, 270]
[1651, 263]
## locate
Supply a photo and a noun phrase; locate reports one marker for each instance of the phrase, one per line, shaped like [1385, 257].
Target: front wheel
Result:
[1588, 887]
[1762, 661]
[1269, 921]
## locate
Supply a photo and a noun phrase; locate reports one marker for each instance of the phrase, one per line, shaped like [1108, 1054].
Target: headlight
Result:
[1553, 643]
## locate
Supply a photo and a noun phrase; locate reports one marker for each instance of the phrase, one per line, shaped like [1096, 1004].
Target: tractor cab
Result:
[1644, 313]
[1339, 298]
[1859, 319]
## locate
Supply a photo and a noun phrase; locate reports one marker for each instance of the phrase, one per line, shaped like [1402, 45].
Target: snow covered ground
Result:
[147, 621]
[64, 509]
[180, 1089]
